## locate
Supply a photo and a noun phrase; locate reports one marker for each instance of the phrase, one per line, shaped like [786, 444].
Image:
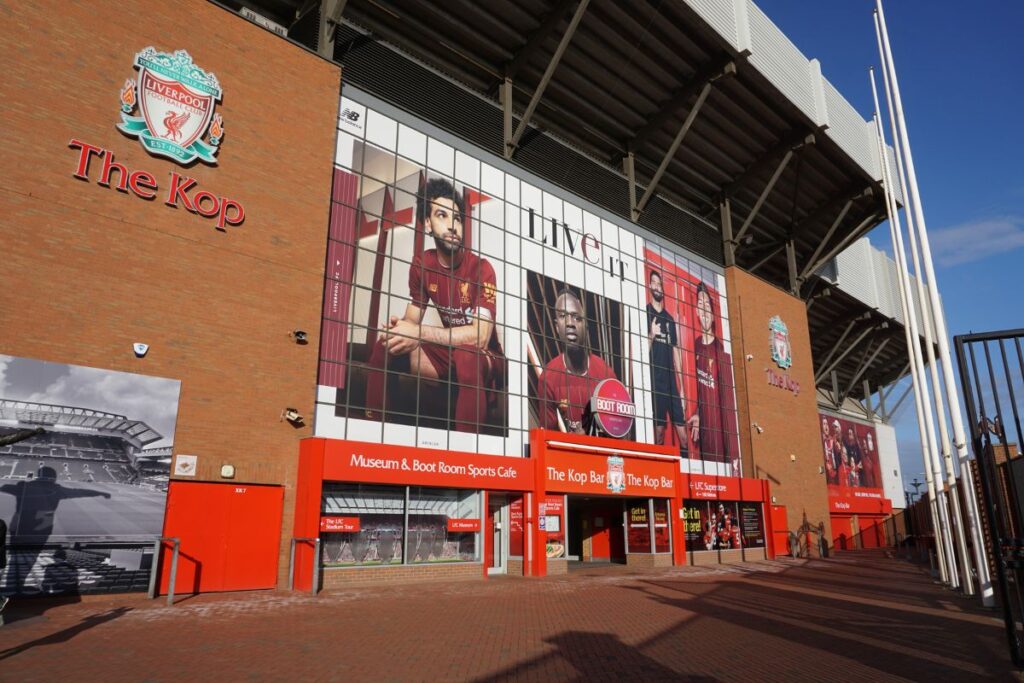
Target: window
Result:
[390, 525]
[662, 530]
[436, 517]
[378, 519]
[638, 520]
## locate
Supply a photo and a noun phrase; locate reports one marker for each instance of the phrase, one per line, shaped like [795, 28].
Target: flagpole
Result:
[926, 430]
[941, 331]
[926, 322]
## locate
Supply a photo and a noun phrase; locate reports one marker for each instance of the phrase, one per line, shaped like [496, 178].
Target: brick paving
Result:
[861, 616]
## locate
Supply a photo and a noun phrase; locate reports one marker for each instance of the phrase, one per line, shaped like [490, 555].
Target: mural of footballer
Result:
[666, 363]
[463, 288]
[570, 377]
[713, 425]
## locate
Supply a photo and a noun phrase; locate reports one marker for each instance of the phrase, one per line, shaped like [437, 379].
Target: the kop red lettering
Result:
[182, 191]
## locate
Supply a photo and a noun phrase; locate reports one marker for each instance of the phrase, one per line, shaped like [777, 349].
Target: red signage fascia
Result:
[576, 472]
[339, 524]
[710, 487]
[406, 465]
[463, 525]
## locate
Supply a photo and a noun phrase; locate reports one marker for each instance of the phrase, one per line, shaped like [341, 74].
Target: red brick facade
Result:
[89, 270]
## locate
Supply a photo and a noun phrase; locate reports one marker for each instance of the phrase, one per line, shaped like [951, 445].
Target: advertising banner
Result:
[347, 524]
[852, 470]
[465, 305]
[85, 459]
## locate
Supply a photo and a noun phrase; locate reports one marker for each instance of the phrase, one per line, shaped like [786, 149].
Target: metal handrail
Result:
[316, 562]
[158, 545]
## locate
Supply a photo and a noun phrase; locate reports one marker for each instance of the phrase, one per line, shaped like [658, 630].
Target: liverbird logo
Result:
[176, 99]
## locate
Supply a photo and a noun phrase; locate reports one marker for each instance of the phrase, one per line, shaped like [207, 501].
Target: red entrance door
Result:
[868, 532]
[230, 536]
[600, 538]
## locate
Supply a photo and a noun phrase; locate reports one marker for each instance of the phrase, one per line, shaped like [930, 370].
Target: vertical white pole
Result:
[929, 342]
[941, 331]
[933, 466]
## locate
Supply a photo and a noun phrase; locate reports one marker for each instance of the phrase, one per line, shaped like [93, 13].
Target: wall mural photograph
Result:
[464, 306]
[850, 452]
[84, 463]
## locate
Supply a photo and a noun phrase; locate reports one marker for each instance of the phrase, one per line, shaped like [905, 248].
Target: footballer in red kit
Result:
[570, 377]
[463, 288]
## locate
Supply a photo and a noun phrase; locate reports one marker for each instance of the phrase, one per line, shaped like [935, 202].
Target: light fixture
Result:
[759, 428]
[140, 349]
[750, 357]
[227, 471]
[792, 457]
[299, 336]
[293, 416]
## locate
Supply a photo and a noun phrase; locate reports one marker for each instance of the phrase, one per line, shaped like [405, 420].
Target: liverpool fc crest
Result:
[616, 474]
[778, 336]
[176, 99]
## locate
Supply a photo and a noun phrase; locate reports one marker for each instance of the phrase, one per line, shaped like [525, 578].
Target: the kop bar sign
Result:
[612, 408]
[177, 100]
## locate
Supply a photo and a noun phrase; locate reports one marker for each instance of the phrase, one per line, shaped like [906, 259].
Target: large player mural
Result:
[850, 453]
[465, 305]
[84, 466]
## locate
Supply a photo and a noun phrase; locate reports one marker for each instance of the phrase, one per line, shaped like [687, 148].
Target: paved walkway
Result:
[862, 616]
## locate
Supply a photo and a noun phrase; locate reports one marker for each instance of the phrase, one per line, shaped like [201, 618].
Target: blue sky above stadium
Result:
[959, 68]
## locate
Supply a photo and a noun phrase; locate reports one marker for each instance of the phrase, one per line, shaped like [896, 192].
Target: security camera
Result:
[759, 428]
[299, 336]
[140, 349]
[750, 357]
[293, 416]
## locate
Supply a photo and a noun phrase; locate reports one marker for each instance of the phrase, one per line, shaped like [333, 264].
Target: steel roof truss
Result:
[864, 365]
[538, 93]
[671, 151]
[835, 363]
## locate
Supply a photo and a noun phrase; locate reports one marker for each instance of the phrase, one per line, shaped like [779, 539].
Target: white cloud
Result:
[153, 400]
[977, 240]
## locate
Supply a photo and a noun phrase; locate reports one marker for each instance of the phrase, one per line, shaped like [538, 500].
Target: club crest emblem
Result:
[778, 337]
[616, 474]
[176, 99]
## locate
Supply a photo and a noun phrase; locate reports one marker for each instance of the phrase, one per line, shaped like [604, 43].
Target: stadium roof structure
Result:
[136, 432]
[697, 119]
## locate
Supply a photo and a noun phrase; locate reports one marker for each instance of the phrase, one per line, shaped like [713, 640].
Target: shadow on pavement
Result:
[68, 633]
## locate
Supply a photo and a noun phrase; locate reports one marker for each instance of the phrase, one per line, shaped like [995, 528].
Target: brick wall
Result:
[341, 578]
[89, 270]
[788, 450]
[648, 560]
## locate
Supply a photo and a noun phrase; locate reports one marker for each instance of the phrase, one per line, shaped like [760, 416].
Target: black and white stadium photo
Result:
[84, 463]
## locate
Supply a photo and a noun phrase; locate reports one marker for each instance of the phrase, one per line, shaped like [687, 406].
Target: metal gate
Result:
[992, 377]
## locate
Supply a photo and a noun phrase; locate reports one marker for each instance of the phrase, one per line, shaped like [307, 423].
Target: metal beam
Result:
[728, 248]
[510, 144]
[902, 398]
[866, 388]
[865, 364]
[858, 232]
[629, 168]
[842, 338]
[506, 111]
[764, 194]
[550, 22]
[821, 245]
[835, 390]
[794, 287]
[851, 193]
[842, 356]
[789, 142]
[674, 147]
[679, 98]
[330, 16]
[767, 257]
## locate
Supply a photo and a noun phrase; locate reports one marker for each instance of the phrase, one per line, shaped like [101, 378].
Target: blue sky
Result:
[960, 73]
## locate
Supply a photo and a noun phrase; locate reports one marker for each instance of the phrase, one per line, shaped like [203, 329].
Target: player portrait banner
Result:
[852, 470]
[465, 305]
[85, 459]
